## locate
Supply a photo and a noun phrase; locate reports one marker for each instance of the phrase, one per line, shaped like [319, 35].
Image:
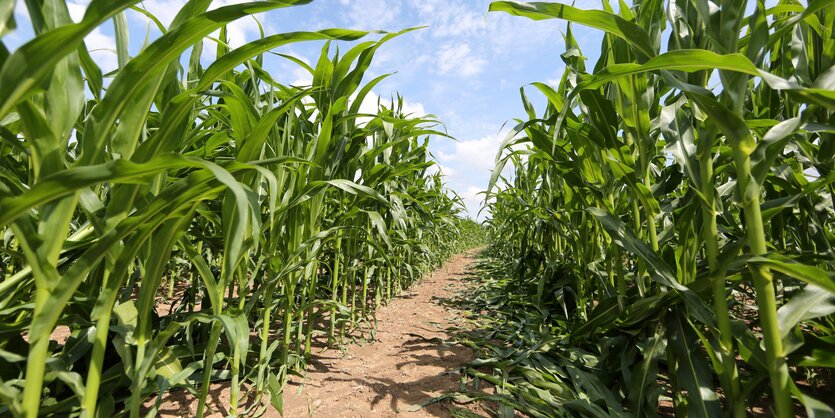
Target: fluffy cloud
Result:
[77, 9]
[498, 32]
[368, 106]
[451, 18]
[413, 109]
[301, 77]
[472, 161]
[440, 168]
[370, 103]
[371, 14]
[457, 58]
[478, 156]
[102, 49]
[298, 75]
[102, 46]
[473, 200]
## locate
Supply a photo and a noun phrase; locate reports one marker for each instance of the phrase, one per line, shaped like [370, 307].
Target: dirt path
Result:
[408, 363]
[405, 366]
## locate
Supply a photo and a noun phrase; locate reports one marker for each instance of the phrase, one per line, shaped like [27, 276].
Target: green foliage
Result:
[654, 198]
[190, 224]
[471, 235]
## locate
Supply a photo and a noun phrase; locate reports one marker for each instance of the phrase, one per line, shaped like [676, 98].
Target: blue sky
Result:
[466, 67]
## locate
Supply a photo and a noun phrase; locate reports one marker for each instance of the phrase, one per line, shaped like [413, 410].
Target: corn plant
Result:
[190, 223]
[659, 193]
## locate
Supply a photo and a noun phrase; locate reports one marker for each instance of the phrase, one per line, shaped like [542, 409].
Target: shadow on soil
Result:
[418, 351]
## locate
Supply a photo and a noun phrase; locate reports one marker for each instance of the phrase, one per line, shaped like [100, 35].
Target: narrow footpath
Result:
[406, 365]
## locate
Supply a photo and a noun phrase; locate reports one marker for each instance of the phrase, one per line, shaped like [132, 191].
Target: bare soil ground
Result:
[408, 363]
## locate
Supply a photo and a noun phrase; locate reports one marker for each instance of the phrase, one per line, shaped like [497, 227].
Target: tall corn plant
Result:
[223, 187]
[646, 169]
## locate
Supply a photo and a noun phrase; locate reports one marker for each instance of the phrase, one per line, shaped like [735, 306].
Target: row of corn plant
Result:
[189, 222]
[669, 216]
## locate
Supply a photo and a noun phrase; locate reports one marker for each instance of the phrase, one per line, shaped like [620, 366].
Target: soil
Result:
[410, 361]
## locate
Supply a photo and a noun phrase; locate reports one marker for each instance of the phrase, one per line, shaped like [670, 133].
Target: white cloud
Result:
[446, 171]
[457, 58]
[102, 49]
[423, 59]
[298, 75]
[469, 194]
[238, 32]
[413, 109]
[451, 18]
[301, 77]
[468, 20]
[370, 103]
[506, 33]
[473, 201]
[368, 106]
[371, 14]
[478, 155]
[471, 162]
[102, 46]
[77, 9]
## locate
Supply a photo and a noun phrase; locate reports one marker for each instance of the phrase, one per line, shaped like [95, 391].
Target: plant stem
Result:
[720, 305]
[766, 301]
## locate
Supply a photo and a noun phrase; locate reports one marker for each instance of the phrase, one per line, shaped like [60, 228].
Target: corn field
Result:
[190, 223]
[661, 234]
[664, 227]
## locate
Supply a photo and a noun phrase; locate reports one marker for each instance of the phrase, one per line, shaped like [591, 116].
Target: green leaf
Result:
[30, 65]
[644, 391]
[812, 302]
[693, 371]
[809, 274]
